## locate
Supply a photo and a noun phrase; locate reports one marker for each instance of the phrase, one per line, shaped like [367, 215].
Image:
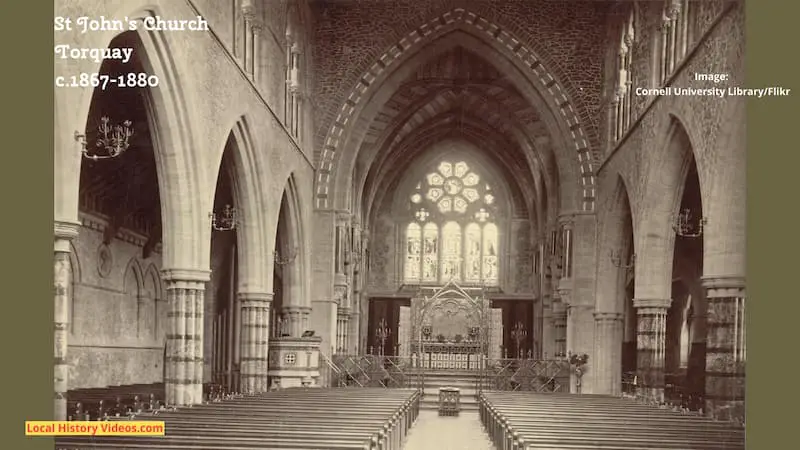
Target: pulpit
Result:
[449, 401]
[294, 362]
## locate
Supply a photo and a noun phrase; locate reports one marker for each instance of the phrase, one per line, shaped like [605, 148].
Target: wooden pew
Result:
[520, 420]
[363, 419]
[109, 401]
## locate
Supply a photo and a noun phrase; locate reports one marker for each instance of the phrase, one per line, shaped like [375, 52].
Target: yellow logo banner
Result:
[76, 428]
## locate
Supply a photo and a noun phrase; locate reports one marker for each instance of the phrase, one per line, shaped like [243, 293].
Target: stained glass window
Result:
[413, 251]
[472, 263]
[430, 262]
[451, 252]
[453, 234]
[490, 253]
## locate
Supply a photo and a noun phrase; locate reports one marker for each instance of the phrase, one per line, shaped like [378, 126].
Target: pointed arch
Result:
[133, 278]
[530, 75]
[249, 200]
[663, 191]
[615, 241]
[295, 245]
[172, 138]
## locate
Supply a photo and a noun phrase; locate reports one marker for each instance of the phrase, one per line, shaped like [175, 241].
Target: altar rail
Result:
[370, 371]
[525, 374]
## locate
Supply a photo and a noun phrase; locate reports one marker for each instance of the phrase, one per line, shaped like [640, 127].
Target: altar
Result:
[450, 329]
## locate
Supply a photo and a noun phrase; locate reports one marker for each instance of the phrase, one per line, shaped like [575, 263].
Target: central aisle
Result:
[463, 432]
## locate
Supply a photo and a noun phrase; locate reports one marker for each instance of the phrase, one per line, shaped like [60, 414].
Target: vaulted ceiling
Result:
[456, 96]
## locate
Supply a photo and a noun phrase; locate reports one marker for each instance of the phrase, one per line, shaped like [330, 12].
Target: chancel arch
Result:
[545, 130]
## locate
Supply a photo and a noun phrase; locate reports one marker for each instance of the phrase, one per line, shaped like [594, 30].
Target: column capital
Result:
[65, 231]
[608, 317]
[292, 309]
[718, 286]
[343, 313]
[652, 303]
[255, 299]
[185, 278]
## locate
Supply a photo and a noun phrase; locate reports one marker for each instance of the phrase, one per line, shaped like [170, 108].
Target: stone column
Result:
[65, 232]
[305, 315]
[292, 317]
[651, 346]
[726, 350]
[254, 340]
[257, 27]
[184, 361]
[607, 365]
[560, 329]
[342, 328]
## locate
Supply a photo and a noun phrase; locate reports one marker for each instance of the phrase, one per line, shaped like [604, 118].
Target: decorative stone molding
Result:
[718, 286]
[647, 303]
[66, 230]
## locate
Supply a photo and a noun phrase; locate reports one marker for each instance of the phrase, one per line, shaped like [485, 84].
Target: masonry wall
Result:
[350, 36]
[721, 50]
[118, 314]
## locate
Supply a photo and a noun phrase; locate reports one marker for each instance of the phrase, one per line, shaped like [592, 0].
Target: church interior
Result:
[319, 220]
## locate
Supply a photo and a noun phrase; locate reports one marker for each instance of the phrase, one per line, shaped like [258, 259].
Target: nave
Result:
[391, 419]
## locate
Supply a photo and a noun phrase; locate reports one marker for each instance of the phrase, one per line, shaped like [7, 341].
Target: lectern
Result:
[449, 401]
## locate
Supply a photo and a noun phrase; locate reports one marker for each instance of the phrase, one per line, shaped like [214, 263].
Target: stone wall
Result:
[118, 315]
[350, 36]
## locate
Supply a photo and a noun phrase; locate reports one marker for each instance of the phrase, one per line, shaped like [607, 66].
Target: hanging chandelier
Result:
[113, 140]
[224, 221]
[685, 225]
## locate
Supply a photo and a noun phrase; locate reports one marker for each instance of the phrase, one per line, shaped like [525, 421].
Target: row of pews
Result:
[114, 401]
[526, 420]
[311, 419]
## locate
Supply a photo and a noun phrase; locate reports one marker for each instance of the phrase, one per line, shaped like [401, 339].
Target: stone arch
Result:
[613, 237]
[724, 204]
[133, 278]
[565, 110]
[296, 239]
[565, 167]
[151, 275]
[75, 280]
[250, 205]
[172, 137]
[663, 191]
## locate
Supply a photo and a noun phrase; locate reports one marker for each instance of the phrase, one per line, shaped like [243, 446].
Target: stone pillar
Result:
[607, 365]
[342, 330]
[726, 350]
[254, 340]
[305, 318]
[65, 232]
[651, 346]
[293, 320]
[257, 27]
[184, 361]
[560, 329]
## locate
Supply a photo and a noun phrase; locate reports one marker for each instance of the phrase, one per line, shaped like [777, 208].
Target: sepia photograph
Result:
[400, 224]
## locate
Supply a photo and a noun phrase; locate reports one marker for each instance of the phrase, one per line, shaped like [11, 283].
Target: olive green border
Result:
[26, 359]
[771, 228]
[26, 386]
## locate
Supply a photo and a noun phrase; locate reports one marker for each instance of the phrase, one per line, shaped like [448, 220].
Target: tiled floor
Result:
[463, 432]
